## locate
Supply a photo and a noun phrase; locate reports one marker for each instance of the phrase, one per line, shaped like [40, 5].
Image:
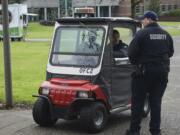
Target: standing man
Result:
[150, 51]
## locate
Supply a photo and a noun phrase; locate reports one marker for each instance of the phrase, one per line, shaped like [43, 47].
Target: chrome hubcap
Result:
[146, 105]
[99, 117]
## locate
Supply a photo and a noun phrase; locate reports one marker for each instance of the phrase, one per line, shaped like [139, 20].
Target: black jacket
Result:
[120, 49]
[151, 44]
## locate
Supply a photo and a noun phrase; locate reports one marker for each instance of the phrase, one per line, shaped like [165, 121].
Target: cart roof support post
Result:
[7, 55]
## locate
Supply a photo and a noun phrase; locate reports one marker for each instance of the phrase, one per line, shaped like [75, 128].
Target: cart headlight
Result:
[83, 94]
[45, 91]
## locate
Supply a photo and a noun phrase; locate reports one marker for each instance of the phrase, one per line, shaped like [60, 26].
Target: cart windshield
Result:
[77, 46]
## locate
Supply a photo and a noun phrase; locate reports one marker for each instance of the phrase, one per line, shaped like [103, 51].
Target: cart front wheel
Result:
[41, 113]
[94, 117]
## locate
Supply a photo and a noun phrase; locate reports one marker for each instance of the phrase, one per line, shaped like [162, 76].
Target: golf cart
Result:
[85, 80]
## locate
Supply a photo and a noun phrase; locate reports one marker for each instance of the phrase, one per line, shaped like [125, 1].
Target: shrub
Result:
[47, 23]
[174, 13]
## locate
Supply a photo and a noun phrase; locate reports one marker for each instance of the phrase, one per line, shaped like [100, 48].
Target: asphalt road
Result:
[20, 122]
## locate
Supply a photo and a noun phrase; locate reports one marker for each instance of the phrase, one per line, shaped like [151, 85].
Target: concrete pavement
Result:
[38, 40]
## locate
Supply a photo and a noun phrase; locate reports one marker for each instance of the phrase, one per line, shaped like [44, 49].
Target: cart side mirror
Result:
[121, 61]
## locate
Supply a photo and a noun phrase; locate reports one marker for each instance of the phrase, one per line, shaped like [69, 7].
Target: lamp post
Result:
[7, 54]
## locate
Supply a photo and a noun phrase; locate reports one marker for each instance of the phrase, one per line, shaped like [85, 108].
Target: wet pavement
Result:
[38, 40]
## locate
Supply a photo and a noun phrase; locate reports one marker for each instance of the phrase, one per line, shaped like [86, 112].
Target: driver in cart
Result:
[120, 49]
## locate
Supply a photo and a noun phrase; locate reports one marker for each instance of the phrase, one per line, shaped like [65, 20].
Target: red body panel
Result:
[63, 91]
[69, 82]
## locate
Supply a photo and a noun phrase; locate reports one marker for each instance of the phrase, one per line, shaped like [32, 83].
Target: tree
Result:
[155, 6]
[134, 3]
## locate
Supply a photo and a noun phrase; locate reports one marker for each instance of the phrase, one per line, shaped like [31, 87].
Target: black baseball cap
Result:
[150, 15]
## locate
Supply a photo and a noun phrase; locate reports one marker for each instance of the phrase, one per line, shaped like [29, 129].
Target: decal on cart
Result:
[86, 70]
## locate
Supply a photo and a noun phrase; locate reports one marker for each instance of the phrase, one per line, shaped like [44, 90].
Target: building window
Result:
[63, 7]
[137, 9]
[169, 7]
[104, 11]
[175, 6]
[52, 13]
[163, 8]
[1, 17]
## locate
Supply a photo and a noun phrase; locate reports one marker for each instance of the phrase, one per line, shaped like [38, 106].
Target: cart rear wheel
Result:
[19, 39]
[12, 39]
[41, 113]
[94, 117]
[146, 108]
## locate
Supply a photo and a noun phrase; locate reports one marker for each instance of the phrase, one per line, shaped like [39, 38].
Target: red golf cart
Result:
[85, 80]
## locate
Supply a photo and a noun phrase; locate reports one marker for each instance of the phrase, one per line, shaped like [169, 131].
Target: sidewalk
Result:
[11, 121]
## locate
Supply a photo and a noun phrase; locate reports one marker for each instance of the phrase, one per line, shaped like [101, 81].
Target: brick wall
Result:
[170, 1]
[124, 9]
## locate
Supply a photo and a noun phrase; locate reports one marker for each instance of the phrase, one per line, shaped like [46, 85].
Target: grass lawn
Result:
[172, 27]
[175, 24]
[28, 69]
[35, 30]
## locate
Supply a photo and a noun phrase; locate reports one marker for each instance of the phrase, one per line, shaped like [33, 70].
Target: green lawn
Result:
[35, 30]
[175, 24]
[28, 69]
[172, 27]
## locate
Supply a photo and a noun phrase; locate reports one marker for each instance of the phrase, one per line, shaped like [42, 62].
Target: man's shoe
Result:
[156, 133]
[129, 132]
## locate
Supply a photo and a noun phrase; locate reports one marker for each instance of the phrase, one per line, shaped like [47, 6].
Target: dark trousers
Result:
[153, 81]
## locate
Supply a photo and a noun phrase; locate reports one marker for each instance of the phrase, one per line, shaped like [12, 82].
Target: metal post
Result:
[59, 14]
[66, 8]
[7, 55]
[45, 13]
[110, 11]
[99, 11]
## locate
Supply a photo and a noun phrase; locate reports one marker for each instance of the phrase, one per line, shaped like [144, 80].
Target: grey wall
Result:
[42, 3]
[80, 3]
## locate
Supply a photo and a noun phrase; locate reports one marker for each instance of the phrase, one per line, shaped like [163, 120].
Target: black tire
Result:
[146, 108]
[94, 117]
[41, 113]
[13, 39]
[19, 39]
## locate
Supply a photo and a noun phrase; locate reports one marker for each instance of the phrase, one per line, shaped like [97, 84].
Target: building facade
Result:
[105, 8]
[114, 8]
[53, 9]
[50, 9]
[165, 6]
[46, 9]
